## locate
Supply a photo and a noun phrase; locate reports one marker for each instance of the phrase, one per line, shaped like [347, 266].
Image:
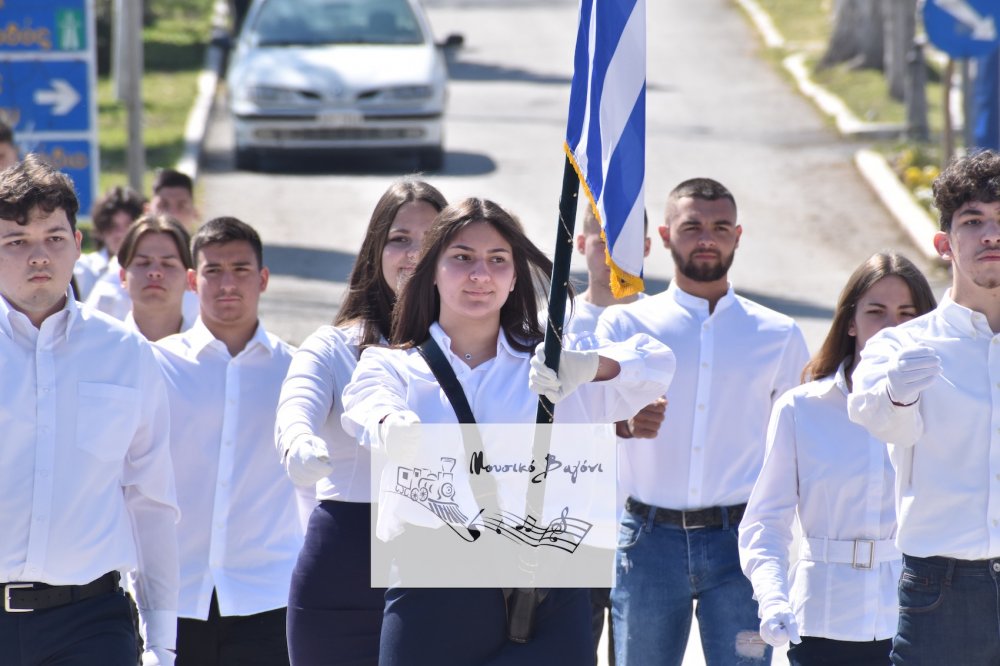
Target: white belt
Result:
[859, 553]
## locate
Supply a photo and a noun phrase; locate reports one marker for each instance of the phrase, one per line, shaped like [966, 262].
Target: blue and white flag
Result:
[606, 131]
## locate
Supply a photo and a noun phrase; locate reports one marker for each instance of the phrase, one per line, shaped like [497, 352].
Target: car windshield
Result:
[315, 22]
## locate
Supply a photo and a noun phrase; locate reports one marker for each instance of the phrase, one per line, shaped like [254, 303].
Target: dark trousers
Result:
[949, 613]
[334, 615]
[93, 631]
[814, 651]
[233, 640]
[468, 627]
[600, 608]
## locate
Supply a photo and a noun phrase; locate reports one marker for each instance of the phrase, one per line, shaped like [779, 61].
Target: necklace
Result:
[468, 357]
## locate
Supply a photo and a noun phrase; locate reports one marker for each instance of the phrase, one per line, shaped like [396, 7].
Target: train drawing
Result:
[433, 490]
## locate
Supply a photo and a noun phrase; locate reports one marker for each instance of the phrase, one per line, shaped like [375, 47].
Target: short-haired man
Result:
[9, 154]
[112, 215]
[173, 195]
[931, 388]
[85, 468]
[240, 531]
[579, 332]
[688, 486]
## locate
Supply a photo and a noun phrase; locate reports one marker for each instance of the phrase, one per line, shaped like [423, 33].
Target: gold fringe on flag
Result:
[623, 283]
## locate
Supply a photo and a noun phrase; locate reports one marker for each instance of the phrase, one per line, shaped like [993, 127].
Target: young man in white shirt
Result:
[688, 487]
[931, 389]
[239, 532]
[85, 468]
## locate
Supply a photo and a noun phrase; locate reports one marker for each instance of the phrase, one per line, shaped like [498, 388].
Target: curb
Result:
[208, 81]
[873, 167]
[912, 217]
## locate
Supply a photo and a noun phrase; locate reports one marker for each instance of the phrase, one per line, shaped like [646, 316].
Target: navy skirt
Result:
[334, 616]
[468, 627]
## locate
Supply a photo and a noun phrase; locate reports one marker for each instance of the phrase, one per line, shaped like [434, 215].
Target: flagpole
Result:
[559, 286]
[558, 295]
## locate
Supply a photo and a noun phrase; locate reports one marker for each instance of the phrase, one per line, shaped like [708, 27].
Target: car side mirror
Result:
[452, 41]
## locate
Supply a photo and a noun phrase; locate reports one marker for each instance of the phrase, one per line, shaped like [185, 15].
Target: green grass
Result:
[174, 50]
[802, 22]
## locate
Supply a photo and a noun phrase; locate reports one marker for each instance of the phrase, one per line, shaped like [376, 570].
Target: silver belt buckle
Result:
[6, 597]
[689, 526]
[862, 564]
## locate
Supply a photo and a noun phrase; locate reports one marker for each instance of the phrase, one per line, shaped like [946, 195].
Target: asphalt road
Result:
[715, 108]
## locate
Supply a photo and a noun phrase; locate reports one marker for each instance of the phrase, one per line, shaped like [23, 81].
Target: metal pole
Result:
[132, 46]
[947, 134]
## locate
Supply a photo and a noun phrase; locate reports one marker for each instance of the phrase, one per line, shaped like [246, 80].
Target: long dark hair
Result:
[839, 345]
[420, 304]
[370, 300]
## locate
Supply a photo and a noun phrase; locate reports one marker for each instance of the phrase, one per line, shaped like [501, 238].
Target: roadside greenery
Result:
[174, 39]
[806, 27]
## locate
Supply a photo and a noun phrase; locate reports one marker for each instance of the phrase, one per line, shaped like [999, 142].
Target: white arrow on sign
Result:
[983, 27]
[62, 97]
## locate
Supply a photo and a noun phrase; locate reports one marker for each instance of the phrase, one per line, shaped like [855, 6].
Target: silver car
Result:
[320, 75]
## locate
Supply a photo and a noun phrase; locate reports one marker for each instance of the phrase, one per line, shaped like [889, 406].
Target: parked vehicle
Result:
[331, 75]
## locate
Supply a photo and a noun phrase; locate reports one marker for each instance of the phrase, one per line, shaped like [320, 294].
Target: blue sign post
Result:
[962, 28]
[48, 85]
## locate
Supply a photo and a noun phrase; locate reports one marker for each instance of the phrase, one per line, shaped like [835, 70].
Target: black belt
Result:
[27, 597]
[710, 517]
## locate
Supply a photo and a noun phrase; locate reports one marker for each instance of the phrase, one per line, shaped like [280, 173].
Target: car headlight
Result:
[269, 95]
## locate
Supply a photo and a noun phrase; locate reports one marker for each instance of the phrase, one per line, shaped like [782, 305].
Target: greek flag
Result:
[606, 131]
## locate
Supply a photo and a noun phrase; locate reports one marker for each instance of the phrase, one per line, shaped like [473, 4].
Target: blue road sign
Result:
[48, 85]
[45, 26]
[45, 95]
[962, 28]
[74, 158]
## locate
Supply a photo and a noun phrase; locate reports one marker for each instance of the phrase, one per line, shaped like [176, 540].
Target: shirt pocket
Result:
[107, 416]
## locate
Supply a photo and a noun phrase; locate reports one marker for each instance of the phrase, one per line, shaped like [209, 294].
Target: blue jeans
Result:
[949, 613]
[661, 570]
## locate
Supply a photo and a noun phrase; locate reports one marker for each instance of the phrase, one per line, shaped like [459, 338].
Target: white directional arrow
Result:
[983, 27]
[62, 97]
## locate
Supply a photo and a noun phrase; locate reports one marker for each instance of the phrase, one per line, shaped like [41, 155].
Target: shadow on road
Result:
[456, 163]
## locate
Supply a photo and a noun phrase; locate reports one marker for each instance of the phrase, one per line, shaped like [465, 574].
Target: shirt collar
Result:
[838, 380]
[200, 338]
[63, 321]
[966, 320]
[695, 303]
[503, 345]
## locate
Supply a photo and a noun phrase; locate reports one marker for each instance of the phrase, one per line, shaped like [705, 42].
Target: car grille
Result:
[339, 133]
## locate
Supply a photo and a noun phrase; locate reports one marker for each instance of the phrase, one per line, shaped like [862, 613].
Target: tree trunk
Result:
[857, 36]
[900, 24]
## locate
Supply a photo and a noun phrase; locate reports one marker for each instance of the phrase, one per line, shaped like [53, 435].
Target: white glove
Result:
[575, 368]
[157, 656]
[779, 626]
[400, 435]
[914, 369]
[307, 460]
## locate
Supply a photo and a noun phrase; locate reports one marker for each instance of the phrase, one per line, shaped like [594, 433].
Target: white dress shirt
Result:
[85, 470]
[186, 322]
[310, 404]
[239, 532]
[582, 324]
[110, 297]
[946, 447]
[89, 268]
[839, 481]
[732, 364]
[394, 380]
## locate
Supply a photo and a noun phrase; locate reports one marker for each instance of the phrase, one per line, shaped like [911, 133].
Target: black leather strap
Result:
[710, 517]
[21, 597]
[446, 378]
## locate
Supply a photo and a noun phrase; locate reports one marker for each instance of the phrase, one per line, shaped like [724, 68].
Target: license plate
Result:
[340, 118]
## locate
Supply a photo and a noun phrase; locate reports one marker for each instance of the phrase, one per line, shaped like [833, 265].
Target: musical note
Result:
[558, 526]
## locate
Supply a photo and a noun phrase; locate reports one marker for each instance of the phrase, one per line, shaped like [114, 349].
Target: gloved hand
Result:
[400, 435]
[307, 460]
[914, 369]
[157, 656]
[779, 626]
[575, 368]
